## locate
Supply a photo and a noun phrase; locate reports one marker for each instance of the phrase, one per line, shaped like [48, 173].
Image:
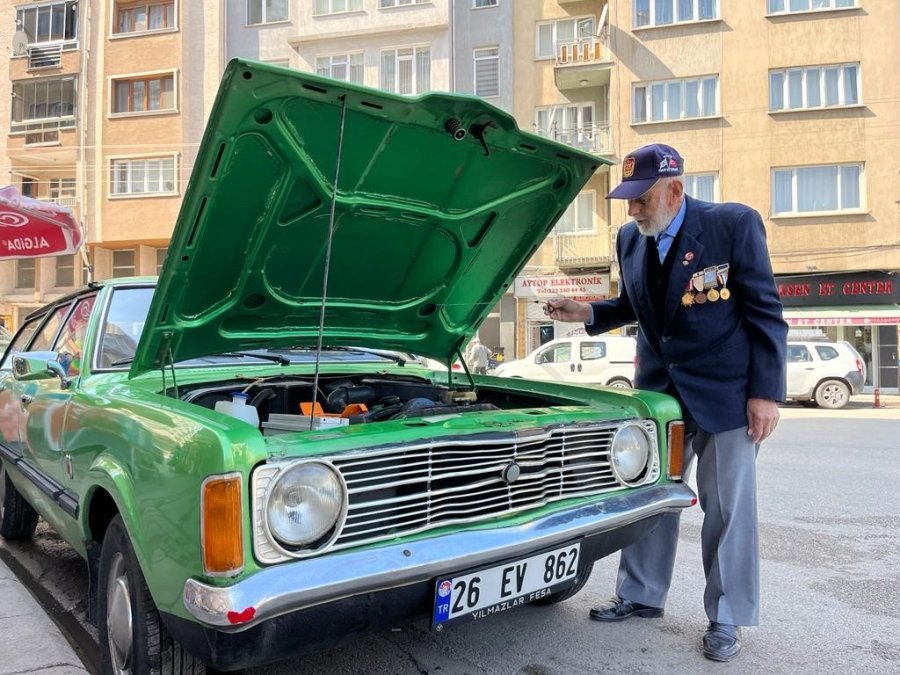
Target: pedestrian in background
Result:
[479, 357]
[697, 279]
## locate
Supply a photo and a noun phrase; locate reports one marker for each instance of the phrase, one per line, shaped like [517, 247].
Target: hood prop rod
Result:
[337, 173]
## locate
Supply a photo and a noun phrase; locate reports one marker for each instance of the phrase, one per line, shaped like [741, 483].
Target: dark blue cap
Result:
[643, 167]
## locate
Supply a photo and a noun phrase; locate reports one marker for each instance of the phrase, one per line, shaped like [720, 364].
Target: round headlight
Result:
[305, 503]
[631, 452]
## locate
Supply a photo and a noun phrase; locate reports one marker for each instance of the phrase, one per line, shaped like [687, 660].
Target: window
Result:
[566, 31]
[570, 124]
[143, 176]
[487, 71]
[668, 12]
[579, 217]
[52, 22]
[591, 351]
[478, 4]
[266, 11]
[406, 71]
[561, 353]
[814, 87]
[45, 100]
[399, 3]
[789, 6]
[347, 67]
[123, 263]
[70, 343]
[161, 254]
[141, 17]
[20, 341]
[62, 190]
[123, 326]
[675, 100]
[817, 189]
[798, 354]
[65, 271]
[336, 6]
[26, 273]
[700, 186]
[44, 337]
[826, 353]
[144, 94]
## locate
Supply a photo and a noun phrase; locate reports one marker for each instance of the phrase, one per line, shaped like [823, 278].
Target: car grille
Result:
[407, 489]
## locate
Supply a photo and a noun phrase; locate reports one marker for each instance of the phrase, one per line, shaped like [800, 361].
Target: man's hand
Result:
[566, 309]
[762, 418]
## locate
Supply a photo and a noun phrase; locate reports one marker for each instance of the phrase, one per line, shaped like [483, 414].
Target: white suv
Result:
[583, 359]
[824, 373]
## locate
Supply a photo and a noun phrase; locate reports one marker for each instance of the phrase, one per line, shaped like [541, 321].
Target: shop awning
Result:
[863, 315]
[30, 228]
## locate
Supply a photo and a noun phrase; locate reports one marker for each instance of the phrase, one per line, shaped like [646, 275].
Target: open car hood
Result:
[440, 201]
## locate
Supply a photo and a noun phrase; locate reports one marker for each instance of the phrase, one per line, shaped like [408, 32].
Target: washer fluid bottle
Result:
[238, 408]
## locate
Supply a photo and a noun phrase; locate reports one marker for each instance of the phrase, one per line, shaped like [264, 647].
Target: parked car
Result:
[598, 359]
[245, 477]
[824, 373]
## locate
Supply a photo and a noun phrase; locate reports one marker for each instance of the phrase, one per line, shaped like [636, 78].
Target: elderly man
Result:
[697, 279]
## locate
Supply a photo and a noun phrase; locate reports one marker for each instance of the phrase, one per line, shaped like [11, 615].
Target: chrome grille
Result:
[402, 490]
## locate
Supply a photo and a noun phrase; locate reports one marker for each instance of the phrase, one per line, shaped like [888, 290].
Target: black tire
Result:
[832, 394]
[146, 648]
[619, 383]
[17, 517]
[568, 593]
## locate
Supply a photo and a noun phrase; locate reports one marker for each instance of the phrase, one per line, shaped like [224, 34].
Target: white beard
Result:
[657, 224]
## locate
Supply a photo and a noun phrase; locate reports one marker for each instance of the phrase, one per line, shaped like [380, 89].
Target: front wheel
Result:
[568, 593]
[17, 517]
[133, 638]
[619, 383]
[832, 394]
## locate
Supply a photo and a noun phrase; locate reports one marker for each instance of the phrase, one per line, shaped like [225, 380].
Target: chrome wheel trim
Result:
[120, 636]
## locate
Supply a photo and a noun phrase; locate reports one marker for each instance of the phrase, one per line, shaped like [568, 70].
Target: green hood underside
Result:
[428, 231]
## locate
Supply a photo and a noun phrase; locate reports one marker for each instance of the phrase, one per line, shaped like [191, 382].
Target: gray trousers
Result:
[726, 483]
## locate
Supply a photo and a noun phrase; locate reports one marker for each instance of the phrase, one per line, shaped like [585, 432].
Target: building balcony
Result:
[572, 250]
[582, 63]
[46, 143]
[39, 59]
[593, 138]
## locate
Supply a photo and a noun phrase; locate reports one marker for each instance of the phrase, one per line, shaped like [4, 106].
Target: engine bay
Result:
[361, 399]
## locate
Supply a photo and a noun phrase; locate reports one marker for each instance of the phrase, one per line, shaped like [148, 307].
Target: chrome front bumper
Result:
[293, 586]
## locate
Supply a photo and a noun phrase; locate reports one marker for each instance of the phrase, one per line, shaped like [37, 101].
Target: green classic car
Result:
[242, 454]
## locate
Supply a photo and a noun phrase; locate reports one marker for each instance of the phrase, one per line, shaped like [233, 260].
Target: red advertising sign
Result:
[30, 228]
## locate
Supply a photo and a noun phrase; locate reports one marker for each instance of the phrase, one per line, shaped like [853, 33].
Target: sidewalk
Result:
[29, 640]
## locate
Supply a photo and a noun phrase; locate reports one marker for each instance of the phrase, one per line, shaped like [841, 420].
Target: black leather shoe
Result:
[618, 609]
[722, 641]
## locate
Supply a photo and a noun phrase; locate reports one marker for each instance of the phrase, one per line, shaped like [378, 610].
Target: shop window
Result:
[26, 273]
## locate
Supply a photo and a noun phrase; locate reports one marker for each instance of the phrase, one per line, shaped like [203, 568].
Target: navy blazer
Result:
[716, 354]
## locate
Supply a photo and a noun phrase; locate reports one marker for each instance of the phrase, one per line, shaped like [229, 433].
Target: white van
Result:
[598, 359]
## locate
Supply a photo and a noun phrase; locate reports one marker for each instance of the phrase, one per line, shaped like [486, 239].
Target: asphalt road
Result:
[830, 543]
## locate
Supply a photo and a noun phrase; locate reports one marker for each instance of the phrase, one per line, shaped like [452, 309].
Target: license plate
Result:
[480, 594]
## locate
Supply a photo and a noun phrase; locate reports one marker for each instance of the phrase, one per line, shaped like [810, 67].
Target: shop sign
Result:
[581, 287]
[848, 320]
[831, 290]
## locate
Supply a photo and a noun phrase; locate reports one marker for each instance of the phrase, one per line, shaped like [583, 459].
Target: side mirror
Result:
[39, 366]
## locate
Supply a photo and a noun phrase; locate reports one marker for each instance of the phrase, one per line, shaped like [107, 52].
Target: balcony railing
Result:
[580, 249]
[584, 51]
[594, 138]
[69, 202]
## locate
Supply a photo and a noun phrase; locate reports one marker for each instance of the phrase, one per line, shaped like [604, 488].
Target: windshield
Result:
[127, 314]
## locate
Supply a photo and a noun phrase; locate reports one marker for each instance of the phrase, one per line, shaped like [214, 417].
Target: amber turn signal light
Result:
[221, 525]
[676, 450]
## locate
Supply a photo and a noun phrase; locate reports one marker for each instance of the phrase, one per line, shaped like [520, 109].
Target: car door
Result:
[10, 405]
[591, 361]
[554, 362]
[800, 370]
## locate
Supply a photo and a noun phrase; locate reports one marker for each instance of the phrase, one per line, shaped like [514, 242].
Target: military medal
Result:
[687, 299]
[722, 275]
[713, 295]
[700, 298]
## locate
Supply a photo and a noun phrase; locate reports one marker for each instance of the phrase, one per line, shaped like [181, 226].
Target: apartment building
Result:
[100, 121]
[789, 106]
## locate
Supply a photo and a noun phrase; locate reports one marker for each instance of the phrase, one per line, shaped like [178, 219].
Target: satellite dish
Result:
[19, 42]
